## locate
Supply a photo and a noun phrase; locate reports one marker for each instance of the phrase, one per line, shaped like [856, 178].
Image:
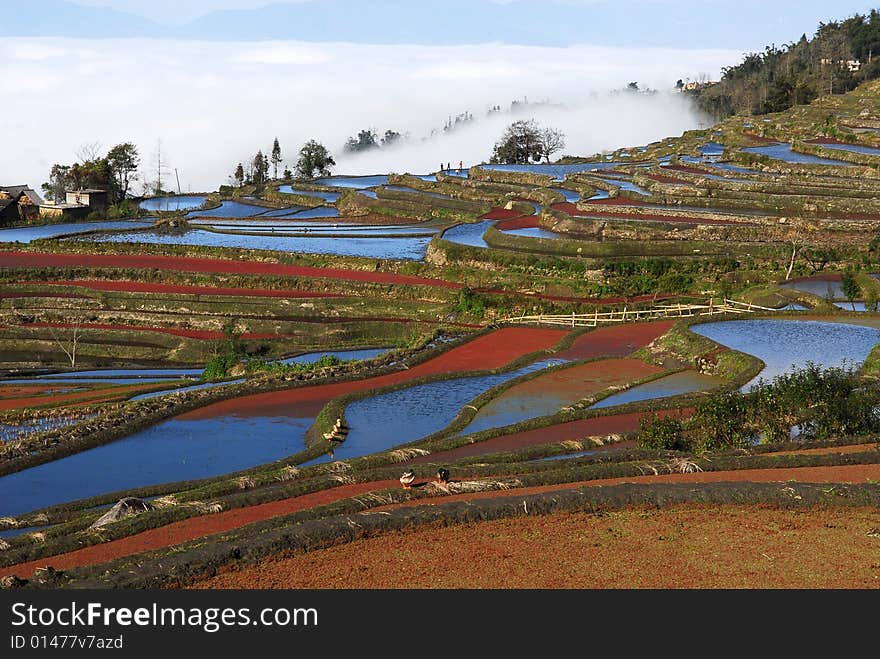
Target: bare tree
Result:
[796, 242]
[551, 140]
[159, 168]
[88, 151]
[68, 344]
[69, 347]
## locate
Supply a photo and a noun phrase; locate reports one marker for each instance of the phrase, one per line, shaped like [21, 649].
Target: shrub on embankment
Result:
[821, 403]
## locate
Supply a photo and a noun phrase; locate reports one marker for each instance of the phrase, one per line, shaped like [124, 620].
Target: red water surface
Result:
[524, 222]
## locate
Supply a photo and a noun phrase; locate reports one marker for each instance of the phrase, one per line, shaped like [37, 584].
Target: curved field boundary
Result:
[174, 289]
[197, 560]
[850, 474]
[615, 341]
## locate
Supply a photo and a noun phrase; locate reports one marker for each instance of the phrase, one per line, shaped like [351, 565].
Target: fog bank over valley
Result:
[213, 104]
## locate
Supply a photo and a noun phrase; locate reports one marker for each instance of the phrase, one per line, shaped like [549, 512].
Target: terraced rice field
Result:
[517, 325]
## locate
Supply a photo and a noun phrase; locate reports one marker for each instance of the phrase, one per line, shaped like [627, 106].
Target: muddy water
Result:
[672, 385]
[547, 394]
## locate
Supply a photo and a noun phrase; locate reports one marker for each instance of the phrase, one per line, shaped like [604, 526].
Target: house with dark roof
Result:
[18, 203]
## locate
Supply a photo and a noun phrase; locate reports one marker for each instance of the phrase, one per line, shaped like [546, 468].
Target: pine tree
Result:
[276, 157]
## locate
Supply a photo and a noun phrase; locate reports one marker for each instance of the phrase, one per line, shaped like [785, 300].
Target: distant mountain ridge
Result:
[446, 22]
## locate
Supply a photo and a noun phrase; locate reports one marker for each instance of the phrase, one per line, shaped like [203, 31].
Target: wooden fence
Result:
[627, 315]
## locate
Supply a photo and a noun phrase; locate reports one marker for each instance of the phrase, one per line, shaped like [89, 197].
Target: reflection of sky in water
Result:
[671, 385]
[558, 172]
[382, 248]
[533, 232]
[856, 148]
[784, 344]
[469, 234]
[357, 182]
[326, 196]
[171, 451]
[178, 203]
[27, 234]
[570, 195]
[385, 420]
[784, 152]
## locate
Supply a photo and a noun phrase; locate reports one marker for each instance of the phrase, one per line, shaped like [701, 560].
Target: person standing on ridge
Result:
[460, 166]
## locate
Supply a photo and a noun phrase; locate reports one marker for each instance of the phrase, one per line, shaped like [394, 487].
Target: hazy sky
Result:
[716, 19]
[214, 103]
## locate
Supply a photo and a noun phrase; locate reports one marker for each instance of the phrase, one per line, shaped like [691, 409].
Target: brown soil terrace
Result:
[600, 426]
[192, 264]
[685, 546]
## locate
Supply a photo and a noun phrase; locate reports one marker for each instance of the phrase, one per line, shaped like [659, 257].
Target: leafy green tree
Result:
[56, 187]
[239, 174]
[124, 160]
[365, 140]
[391, 137]
[314, 160]
[871, 300]
[721, 421]
[259, 168]
[520, 144]
[95, 173]
[850, 286]
[662, 434]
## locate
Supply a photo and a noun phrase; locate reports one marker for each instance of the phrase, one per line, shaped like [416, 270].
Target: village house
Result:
[18, 203]
[77, 205]
[852, 65]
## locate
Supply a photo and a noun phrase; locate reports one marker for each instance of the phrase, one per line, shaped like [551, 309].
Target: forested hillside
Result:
[839, 56]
